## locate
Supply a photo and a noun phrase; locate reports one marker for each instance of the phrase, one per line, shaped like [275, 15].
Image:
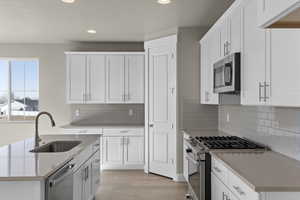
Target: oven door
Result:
[196, 177]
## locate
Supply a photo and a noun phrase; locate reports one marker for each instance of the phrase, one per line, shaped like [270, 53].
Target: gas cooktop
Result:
[227, 142]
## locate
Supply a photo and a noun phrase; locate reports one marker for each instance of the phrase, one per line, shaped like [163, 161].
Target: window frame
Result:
[10, 60]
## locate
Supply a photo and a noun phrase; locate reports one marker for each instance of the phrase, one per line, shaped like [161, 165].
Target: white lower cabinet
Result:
[227, 186]
[113, 151]
[134, 150]
[219, 191]
[123, 149]
[87, 179]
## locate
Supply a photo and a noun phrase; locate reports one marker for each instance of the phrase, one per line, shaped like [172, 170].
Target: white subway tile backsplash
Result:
[278, 128]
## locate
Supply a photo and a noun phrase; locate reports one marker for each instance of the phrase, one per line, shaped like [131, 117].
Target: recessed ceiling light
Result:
[91, 31]
[163, 1]
[68, 1]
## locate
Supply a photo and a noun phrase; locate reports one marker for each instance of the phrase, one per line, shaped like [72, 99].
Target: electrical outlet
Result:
[130, 113]
[227, 117]
[77, 112]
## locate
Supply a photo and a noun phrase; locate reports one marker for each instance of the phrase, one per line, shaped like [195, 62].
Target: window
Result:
[19, 89]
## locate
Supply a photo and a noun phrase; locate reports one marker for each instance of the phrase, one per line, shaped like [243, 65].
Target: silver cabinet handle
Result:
[260, 92]
[225, 49]
[228, 48]
[217, 169]
[238, 189]
[224, 196]
[122, 141]
[265, 91]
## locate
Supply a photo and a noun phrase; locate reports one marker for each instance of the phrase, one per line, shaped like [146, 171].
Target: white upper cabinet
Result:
[285, 59]
[272, 13]
[99, 78]
[253, 57]
[115, 83]
[96, 79]
[76, 78]
[224, 37]
[125, 79]
[134, 79]
[235, 27]
[210, 53]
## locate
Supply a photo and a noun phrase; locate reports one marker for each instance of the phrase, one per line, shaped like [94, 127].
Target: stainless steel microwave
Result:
[227, 74]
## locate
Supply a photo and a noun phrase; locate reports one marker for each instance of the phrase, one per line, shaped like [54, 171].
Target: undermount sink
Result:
[56, 147]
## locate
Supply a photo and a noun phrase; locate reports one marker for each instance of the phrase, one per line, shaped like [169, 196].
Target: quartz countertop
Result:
[18, 164]
[199, 132]
[99, 126]
[264, 172]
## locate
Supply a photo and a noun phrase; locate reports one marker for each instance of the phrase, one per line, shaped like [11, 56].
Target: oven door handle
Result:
[192, 160]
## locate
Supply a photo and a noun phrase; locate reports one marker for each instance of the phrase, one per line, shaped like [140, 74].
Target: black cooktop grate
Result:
[227, 142]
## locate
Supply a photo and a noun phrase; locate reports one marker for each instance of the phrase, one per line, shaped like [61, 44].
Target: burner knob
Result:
[189, 150]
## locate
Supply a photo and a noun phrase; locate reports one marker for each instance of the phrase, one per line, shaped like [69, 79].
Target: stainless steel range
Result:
[197, 152]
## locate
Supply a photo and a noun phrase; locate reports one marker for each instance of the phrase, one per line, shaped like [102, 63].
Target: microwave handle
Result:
[230, 74]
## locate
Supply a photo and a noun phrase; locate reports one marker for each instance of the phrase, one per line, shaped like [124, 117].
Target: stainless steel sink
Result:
[56, 147]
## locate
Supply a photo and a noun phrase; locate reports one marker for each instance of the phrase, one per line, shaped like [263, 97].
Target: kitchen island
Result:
[25, 175]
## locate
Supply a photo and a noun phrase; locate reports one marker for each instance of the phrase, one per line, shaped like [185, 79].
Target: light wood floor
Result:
[136, 185]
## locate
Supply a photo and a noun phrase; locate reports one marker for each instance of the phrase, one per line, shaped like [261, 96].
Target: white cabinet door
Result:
[113, 151]
[253, 56]
[115, 83]
[270, 11]
[285, 68]
[162, 111]
[96, 79]
[87, 182]
[95, 174]
[224, 38]
[78, 184]
[203, 67]
[216, 188]
[76, 78]
[213, 57]
[134, 150]
[134, 79]
[210, 53]
[235, 25]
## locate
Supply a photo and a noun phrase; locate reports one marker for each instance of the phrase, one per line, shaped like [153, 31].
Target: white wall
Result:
[52, 82]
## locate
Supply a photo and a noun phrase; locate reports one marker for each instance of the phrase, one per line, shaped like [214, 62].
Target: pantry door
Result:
[162, 110]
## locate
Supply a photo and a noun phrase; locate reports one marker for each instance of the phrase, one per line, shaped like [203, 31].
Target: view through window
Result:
[19, 89]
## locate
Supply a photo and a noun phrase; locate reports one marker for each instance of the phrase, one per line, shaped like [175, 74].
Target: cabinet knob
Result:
[151, 125]
[188, 196]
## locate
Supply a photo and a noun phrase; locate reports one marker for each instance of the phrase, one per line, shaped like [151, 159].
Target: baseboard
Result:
[179, 178]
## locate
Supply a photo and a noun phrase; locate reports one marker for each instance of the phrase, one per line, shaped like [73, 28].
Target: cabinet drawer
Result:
[82, 131]
[123, 132]
[219, 170]
[240, 188]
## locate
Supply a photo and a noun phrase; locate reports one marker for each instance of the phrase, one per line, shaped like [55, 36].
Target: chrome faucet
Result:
[37, 137]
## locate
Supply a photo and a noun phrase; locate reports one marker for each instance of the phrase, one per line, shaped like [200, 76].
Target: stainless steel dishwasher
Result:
[59, 186]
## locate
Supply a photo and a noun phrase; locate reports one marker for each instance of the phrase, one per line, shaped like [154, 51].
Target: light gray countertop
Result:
[264, 172]
[18, 164]
[99, 126]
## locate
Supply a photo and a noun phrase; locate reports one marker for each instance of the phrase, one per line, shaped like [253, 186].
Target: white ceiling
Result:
[51, 21]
